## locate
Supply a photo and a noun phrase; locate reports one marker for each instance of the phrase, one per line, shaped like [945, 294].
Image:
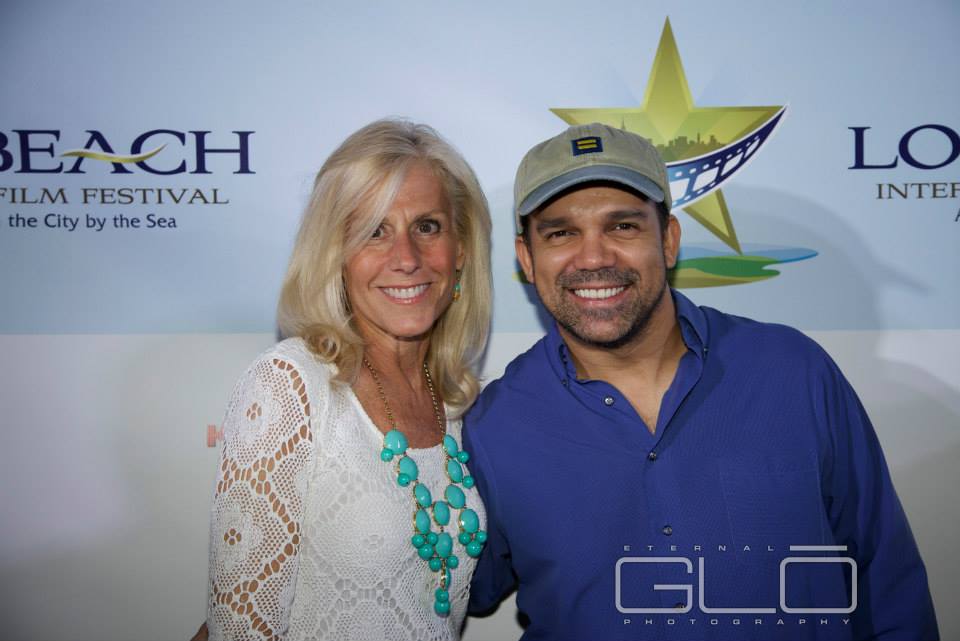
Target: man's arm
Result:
[493, 578]
[866, 515]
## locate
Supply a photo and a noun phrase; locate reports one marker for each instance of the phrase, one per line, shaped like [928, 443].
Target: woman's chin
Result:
[403, 332]
[403, 324]
[417, 333]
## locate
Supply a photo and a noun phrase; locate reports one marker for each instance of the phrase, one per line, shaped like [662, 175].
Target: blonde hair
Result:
[351, 195]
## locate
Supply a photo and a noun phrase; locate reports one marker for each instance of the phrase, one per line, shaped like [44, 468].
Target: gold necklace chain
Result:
[386, 405]
[436, 548]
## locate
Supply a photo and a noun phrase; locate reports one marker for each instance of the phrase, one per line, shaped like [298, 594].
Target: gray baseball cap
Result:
[588, 153]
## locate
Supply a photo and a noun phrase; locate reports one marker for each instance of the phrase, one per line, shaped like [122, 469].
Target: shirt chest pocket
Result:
[774, 501]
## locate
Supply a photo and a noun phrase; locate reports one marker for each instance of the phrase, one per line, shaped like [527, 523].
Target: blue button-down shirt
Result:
[610, 531]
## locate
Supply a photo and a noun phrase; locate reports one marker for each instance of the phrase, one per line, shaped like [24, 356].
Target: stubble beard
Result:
[635, 313]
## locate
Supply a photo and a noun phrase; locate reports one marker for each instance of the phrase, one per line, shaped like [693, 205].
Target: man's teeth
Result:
[405, 292]
[606, 292]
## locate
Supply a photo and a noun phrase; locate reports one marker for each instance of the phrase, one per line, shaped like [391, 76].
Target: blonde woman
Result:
[343, 506]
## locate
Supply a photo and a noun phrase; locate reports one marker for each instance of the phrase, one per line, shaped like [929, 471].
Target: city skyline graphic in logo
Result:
[703, 148]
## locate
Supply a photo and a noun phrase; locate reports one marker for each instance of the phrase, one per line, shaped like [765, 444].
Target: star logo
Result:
[703, 147]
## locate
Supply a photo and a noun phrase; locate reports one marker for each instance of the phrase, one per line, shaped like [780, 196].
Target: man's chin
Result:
[605, 337]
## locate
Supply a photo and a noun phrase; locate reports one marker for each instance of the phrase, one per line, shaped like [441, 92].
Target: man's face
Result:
[599, 258]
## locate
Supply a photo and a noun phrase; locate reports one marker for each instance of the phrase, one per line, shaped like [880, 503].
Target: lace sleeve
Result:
[258, 503]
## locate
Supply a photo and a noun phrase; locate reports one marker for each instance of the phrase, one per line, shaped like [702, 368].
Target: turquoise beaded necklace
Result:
[435, 548]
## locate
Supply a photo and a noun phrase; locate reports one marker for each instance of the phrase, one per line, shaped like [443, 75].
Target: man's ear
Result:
[671, 242]
[524, 257]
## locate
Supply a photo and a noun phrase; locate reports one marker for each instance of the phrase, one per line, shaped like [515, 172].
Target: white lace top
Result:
[310, 533]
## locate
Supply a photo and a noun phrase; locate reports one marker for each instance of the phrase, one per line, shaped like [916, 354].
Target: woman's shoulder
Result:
[454, 421]
[290, 366]
[294, 355]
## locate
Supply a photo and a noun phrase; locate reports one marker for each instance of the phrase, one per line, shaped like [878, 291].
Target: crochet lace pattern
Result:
[309, 533]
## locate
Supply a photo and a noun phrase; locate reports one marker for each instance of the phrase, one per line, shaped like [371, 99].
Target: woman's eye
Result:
[377, 233]
[428, 226]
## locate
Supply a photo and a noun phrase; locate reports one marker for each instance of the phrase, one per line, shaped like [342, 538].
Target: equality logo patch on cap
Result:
[588, 145]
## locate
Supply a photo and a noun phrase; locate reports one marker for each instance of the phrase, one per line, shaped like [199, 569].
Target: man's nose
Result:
[594, 252]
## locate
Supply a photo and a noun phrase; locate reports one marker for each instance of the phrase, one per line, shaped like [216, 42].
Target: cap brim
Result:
[590, 173]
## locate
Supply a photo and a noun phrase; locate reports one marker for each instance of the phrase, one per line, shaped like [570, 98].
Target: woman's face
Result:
[402, 280]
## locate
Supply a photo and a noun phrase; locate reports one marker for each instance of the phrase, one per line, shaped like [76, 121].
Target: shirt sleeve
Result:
[493, 578]
[255, 525]
[893, 598]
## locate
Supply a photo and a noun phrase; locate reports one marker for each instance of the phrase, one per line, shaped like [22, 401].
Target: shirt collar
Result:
[693, 328]
[693, 324]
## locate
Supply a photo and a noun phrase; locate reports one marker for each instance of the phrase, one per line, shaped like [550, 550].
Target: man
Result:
[650, 466]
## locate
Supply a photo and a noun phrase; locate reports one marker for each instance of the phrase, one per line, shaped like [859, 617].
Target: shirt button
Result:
[608, 400]
[667, 530]
[652, 456]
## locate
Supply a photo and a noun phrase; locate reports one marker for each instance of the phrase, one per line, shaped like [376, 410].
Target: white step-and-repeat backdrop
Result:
[155, 158]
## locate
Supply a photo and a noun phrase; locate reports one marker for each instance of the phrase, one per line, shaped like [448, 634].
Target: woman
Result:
[342, 507]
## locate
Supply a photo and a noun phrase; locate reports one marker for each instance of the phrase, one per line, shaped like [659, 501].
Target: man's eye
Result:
[428, 227]
[560, 233]
[378, 232]
[624, 227]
